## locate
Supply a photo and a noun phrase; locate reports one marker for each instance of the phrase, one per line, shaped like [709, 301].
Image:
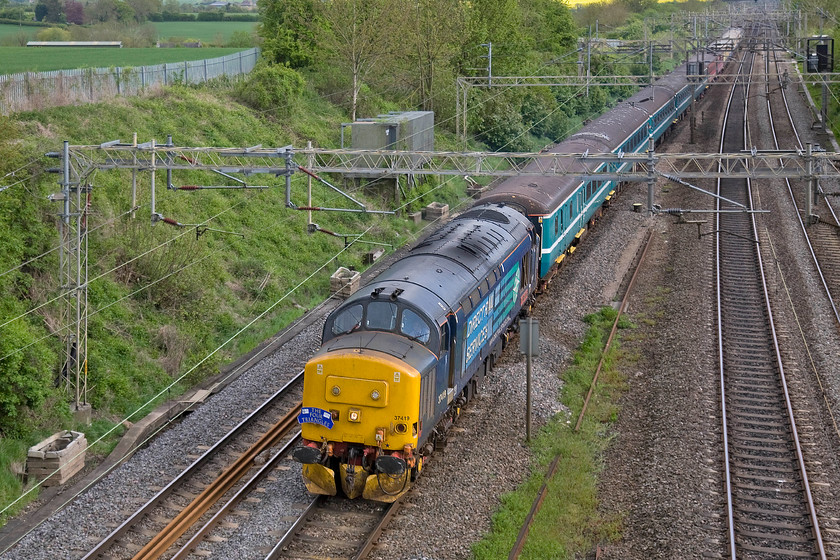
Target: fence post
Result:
[186, 73]
[119, 82]
[205, 69]
[165, 77]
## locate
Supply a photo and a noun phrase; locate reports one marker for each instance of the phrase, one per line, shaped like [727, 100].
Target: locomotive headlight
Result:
[354, 415]
[336, 390]
[374, 395]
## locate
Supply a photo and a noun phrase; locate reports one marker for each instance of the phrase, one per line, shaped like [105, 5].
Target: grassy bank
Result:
[569, 524]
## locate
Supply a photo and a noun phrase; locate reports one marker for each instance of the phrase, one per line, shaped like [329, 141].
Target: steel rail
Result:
[799, 456]
[100, 549]
[390, 513]
[535, 506]
[726, 460]
[749, 410]
[320, 507]
[243, 492]
[621, 308]
[793, 200]
[161, 542]
[287, 537]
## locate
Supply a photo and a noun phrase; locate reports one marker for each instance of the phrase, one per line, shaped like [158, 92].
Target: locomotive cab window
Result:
[413, 326]
[348, 320]
[381, 316]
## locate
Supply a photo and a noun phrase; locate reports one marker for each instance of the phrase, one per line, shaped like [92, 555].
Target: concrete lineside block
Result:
[435, 211]
[63, 452]
[344, 281]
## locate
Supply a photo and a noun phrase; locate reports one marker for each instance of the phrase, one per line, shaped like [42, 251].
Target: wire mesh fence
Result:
[36, 90]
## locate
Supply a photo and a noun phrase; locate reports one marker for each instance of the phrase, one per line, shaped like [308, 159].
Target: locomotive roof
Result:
[440, 271]
[542, 195]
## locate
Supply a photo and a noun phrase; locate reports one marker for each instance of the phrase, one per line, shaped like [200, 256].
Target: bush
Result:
[242, 40]
[53, 34]
[210, 16]
[272, 86]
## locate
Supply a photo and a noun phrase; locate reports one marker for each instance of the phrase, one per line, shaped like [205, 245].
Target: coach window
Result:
[348, 320]
[381, 316]
[413, 326]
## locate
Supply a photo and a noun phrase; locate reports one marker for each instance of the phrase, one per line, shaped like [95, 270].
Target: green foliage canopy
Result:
[289, 30]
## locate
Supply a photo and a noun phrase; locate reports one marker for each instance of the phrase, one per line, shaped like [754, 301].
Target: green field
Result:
[42, 59]
[204, 31]
[8, 30]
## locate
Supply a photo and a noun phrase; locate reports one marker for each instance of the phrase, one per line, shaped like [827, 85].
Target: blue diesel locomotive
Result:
[403, 354]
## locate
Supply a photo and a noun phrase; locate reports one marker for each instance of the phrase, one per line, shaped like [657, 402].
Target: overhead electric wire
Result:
[68, 292]
[12, 173]
[103, 308]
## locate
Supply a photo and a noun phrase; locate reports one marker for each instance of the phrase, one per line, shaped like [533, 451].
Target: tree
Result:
[55, 11]
[356, 38]
[551, 26]
[144, 8]
[110, 10]
[40, 11]
[499, 22]
[53, 34]
[288, 29]
[49, 10]
[74, 12]
[430, 37]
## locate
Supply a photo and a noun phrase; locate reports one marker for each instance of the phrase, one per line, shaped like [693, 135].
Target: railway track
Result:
[770, 509]
[169, 522]
[821, 231]
[334, 527]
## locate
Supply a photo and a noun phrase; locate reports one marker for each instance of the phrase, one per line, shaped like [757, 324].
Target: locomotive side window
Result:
[525, 272]
[381, 316]
[444, 337]
[348, 320]
[413, 326]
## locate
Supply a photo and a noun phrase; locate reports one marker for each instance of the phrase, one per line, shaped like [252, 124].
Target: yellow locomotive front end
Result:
[360, 424]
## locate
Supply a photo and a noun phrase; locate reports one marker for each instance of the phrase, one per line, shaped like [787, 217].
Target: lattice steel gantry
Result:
[80, 162]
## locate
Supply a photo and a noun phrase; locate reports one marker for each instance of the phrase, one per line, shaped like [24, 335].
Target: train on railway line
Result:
[403, 354]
